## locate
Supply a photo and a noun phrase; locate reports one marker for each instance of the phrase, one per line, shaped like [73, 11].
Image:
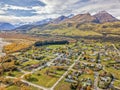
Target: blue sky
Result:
[18, 11]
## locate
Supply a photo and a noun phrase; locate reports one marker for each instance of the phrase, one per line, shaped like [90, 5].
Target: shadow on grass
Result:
[53, 76]
[32, 79]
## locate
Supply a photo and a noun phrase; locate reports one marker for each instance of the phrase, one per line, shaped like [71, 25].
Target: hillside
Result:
[86, 29]
[81, 18]
[86, 24]
[6, 26]
[104, 16]
[24, 27]
[59, 19]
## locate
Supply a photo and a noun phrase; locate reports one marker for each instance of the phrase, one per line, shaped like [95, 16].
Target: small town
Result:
[59, 44]
[74, 66]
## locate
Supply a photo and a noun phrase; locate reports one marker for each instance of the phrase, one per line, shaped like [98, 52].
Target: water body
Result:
[2, 44]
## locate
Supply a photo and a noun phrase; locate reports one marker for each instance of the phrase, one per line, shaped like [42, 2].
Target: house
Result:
[25, 60]
[35, 66]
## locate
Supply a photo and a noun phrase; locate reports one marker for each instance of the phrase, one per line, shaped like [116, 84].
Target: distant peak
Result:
[103, 11]
[59, 19]
[62, 16]
[70, 16]
[104, 16]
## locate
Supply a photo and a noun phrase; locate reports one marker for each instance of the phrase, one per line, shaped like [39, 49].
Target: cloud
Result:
[2, 12]
[23, 3]
[15, 19]
[118, 17]
[21, 13]
[34, 10]
[6, 7]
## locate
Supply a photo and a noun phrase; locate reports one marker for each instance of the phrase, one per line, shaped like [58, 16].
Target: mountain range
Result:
[63, 21]
[100, 17]
[80, 25]
[71, 20]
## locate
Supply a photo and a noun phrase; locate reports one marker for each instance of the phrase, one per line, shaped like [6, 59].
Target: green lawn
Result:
[13, 87]
[14, 73]
[45, 80]
[117, 83]
[30, 62]
[63, 85]
[75, 32]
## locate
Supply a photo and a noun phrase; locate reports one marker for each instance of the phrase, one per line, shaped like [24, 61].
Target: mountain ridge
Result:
[69, 21]
[6, 26]
[81, 24]
[104, 16]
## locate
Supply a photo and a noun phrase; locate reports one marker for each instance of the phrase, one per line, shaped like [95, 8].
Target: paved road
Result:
[29, 83]
[95, 81]
[22, 71]
[33, 71]
[52, 88]
[25, 73]
[38, 86]
[47, 64]
[34, 85]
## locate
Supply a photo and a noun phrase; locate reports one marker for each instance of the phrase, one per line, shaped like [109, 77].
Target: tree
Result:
[23, 87]
[47, 72]
[74, 86]
[2, 88]
[98, 58]
[27, 77]
[17, 82]
[88, 88]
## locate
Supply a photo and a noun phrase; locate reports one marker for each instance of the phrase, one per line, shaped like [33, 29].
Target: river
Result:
[2, 44]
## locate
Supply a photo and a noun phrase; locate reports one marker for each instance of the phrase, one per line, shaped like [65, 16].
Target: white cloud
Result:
[15, 20]
[2, 12]
[6, 7]
[55, 8]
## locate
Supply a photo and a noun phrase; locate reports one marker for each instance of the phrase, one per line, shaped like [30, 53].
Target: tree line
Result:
[42, 43]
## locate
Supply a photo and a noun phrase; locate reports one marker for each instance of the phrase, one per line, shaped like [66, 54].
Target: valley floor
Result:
[80, 65]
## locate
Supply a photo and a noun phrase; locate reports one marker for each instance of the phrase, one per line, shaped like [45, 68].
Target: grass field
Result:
[13, 73]
[30, 62]
[45, 80]
[75, 32]
[117, 83]
[18, 88]
[63, 85]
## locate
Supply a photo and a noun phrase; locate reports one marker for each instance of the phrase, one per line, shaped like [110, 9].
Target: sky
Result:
[24, 11]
